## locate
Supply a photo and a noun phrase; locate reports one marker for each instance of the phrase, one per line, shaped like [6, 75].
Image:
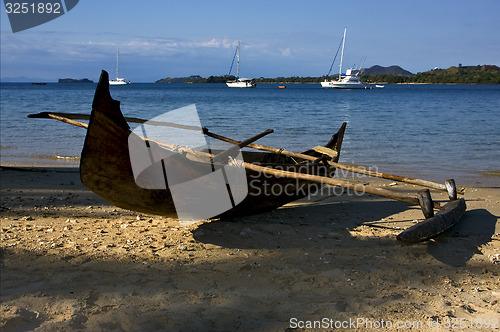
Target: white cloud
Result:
[286, 52]
[59, 54]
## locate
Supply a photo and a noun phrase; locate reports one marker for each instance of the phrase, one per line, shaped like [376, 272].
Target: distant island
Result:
[72, 80]
[392, 70]
[188, 79]
[485, 74]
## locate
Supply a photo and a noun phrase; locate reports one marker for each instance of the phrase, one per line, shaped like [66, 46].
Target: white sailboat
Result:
[240, 82]
[118, 80]
[350, 80]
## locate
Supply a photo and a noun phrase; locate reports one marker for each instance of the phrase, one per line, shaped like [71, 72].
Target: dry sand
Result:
[70, 262]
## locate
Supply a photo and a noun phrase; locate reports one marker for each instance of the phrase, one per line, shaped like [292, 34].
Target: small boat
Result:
[239, 82]
[118, 80]
[274, 176]
[350, 80]
[38, 83]
[282, 86]
[379, 86]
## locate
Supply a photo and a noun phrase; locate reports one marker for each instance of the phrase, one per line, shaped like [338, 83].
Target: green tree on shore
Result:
[486, 74]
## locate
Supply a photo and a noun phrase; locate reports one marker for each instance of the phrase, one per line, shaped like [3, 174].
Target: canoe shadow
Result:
[329, 223]
[316, 224]
[457, 246]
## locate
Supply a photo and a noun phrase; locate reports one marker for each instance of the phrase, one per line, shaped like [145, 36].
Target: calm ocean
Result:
[434, 132]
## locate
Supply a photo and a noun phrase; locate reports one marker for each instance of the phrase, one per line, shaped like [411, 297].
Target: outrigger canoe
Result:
[106, 169]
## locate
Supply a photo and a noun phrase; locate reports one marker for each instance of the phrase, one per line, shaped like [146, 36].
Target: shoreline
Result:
[277, 82]
[72, 261]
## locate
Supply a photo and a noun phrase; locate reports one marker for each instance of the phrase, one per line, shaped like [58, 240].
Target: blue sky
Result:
[160, 39]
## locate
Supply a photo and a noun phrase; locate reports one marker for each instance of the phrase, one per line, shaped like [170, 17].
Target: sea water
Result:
[434, 132]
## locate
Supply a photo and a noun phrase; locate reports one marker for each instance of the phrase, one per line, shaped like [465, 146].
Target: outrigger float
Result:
[105, 168]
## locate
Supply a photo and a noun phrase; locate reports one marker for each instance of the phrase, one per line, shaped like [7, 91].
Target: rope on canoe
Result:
[236, 162]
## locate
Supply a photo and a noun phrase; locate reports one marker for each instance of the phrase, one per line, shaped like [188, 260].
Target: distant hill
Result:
[486, 74]
[179, 79]
[72, 80]
[392, 70]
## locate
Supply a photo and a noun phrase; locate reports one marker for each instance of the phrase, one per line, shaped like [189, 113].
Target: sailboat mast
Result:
[117, 48]
[238, 62]
[342, 55]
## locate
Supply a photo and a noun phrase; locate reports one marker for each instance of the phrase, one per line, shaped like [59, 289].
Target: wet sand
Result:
[70, 261]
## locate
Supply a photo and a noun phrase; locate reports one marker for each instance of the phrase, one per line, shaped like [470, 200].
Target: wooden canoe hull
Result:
[105, 167]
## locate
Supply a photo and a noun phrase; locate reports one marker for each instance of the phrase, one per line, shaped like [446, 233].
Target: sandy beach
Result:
[72, 262]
